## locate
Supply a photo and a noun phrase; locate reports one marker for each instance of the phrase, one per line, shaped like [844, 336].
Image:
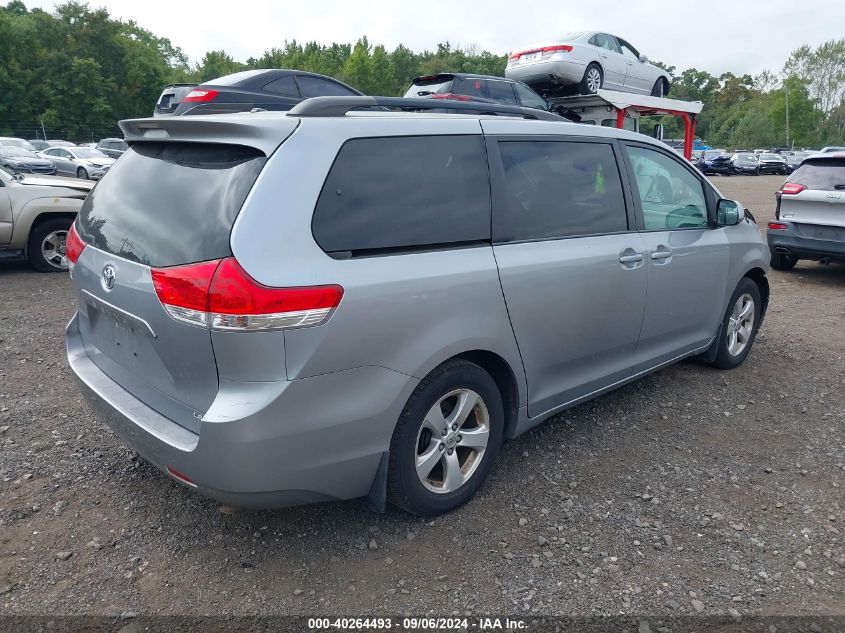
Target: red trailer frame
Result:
[623, 103]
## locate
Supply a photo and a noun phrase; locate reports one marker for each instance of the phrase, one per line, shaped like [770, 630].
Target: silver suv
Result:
[810, 213]
[327, 304]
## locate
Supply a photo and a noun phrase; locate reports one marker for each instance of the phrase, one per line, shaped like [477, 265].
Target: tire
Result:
[54, 231]
[660, 88]
[593, 80]
[781, 261]
[730, 355]
[415, 437]
[82, 173]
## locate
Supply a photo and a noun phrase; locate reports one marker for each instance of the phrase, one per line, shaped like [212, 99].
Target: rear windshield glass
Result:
[164, 204]
[826, 174]
[229, 80]
[429, 87]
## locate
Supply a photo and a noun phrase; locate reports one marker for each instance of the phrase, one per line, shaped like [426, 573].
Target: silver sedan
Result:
[82, 162]
[588, 61]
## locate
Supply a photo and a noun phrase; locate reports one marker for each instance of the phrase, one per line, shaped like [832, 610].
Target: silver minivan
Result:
[334, 303]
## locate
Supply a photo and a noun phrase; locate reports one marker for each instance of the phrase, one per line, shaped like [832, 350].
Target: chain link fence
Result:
[31, 130]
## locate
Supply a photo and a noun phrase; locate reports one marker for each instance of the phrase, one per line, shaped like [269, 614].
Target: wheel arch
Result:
[38, 211]
[502, 373]
[758, 276]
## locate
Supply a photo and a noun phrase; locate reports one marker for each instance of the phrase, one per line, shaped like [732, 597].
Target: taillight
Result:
[199, 96]
[544, 52]
[777, 226]
[221, 295]
[791, 188]
[73, 246]
[451, 96]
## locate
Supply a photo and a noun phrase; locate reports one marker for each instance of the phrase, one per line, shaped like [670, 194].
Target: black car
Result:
[745, 163]
[17, 160]
[771, 163]
[715, 162]
[273, 89]
[479, 88]
[112, 147]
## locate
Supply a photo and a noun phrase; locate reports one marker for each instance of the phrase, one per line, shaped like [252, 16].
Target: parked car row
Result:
[58, 157]
[718, 161]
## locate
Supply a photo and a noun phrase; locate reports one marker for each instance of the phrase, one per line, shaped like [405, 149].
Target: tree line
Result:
[79, 70]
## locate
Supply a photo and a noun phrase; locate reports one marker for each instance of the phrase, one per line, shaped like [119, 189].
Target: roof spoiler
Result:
[264, 132]
[340, 106]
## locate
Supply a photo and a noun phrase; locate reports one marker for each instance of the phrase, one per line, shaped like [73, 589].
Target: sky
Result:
[741, 36]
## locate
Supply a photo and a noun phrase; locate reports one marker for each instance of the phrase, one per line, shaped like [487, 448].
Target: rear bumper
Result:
[803, 242]
[567, 71]
[262, 445]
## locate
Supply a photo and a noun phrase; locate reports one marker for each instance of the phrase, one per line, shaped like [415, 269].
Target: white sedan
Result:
[589, 60]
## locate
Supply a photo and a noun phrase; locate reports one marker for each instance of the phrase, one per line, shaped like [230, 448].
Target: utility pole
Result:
[786, 96]
[43, 131]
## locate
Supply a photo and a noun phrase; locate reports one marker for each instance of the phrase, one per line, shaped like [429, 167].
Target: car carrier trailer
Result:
[612, 108]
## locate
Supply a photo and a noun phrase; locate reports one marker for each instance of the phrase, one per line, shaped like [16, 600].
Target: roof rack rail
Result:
[339, 106]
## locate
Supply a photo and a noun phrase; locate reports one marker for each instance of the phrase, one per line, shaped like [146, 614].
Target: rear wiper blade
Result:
[842, 186]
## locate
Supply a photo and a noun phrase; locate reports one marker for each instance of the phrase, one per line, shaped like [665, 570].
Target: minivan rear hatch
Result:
[164, 204]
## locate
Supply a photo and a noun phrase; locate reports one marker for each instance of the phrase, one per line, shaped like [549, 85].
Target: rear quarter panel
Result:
[405, 312]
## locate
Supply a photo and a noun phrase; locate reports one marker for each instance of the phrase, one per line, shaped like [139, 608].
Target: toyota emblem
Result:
[108, 277]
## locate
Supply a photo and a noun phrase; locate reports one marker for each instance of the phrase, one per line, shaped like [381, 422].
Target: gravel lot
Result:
[691, 491]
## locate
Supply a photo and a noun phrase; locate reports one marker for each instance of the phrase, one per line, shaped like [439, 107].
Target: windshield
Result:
[16, 142]
[770, 157]
[16, 151]
[745, 158]
[713, 154]
[88, 152]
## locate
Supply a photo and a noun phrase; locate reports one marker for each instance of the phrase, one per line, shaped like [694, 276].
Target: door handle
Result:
[661, 255]
[631, 259]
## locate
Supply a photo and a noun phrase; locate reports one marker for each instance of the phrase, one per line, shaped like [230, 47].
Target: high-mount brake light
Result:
[221, 295]
[200, 96]
[792, 188]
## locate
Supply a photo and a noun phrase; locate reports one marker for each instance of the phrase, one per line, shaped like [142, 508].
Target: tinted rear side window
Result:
[826, 174]
[284, 86]
[401, 192]
[471, 87]
[500, 91]
[164, 204]
[316, 87]
[559, 189]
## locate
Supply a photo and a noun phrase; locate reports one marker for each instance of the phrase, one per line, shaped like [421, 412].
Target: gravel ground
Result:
[691, 491]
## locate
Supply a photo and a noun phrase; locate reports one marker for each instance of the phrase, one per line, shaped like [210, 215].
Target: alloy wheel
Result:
[740, 324]
[593, 79]
[451, 441]
[53, 249]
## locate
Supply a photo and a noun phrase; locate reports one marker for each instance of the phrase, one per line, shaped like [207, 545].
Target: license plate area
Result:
[529, 57]
[118, 334]
[829, 233]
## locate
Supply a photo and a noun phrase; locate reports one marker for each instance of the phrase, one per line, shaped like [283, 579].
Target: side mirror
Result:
[729, 212]
[643, 59]
[658, 131]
